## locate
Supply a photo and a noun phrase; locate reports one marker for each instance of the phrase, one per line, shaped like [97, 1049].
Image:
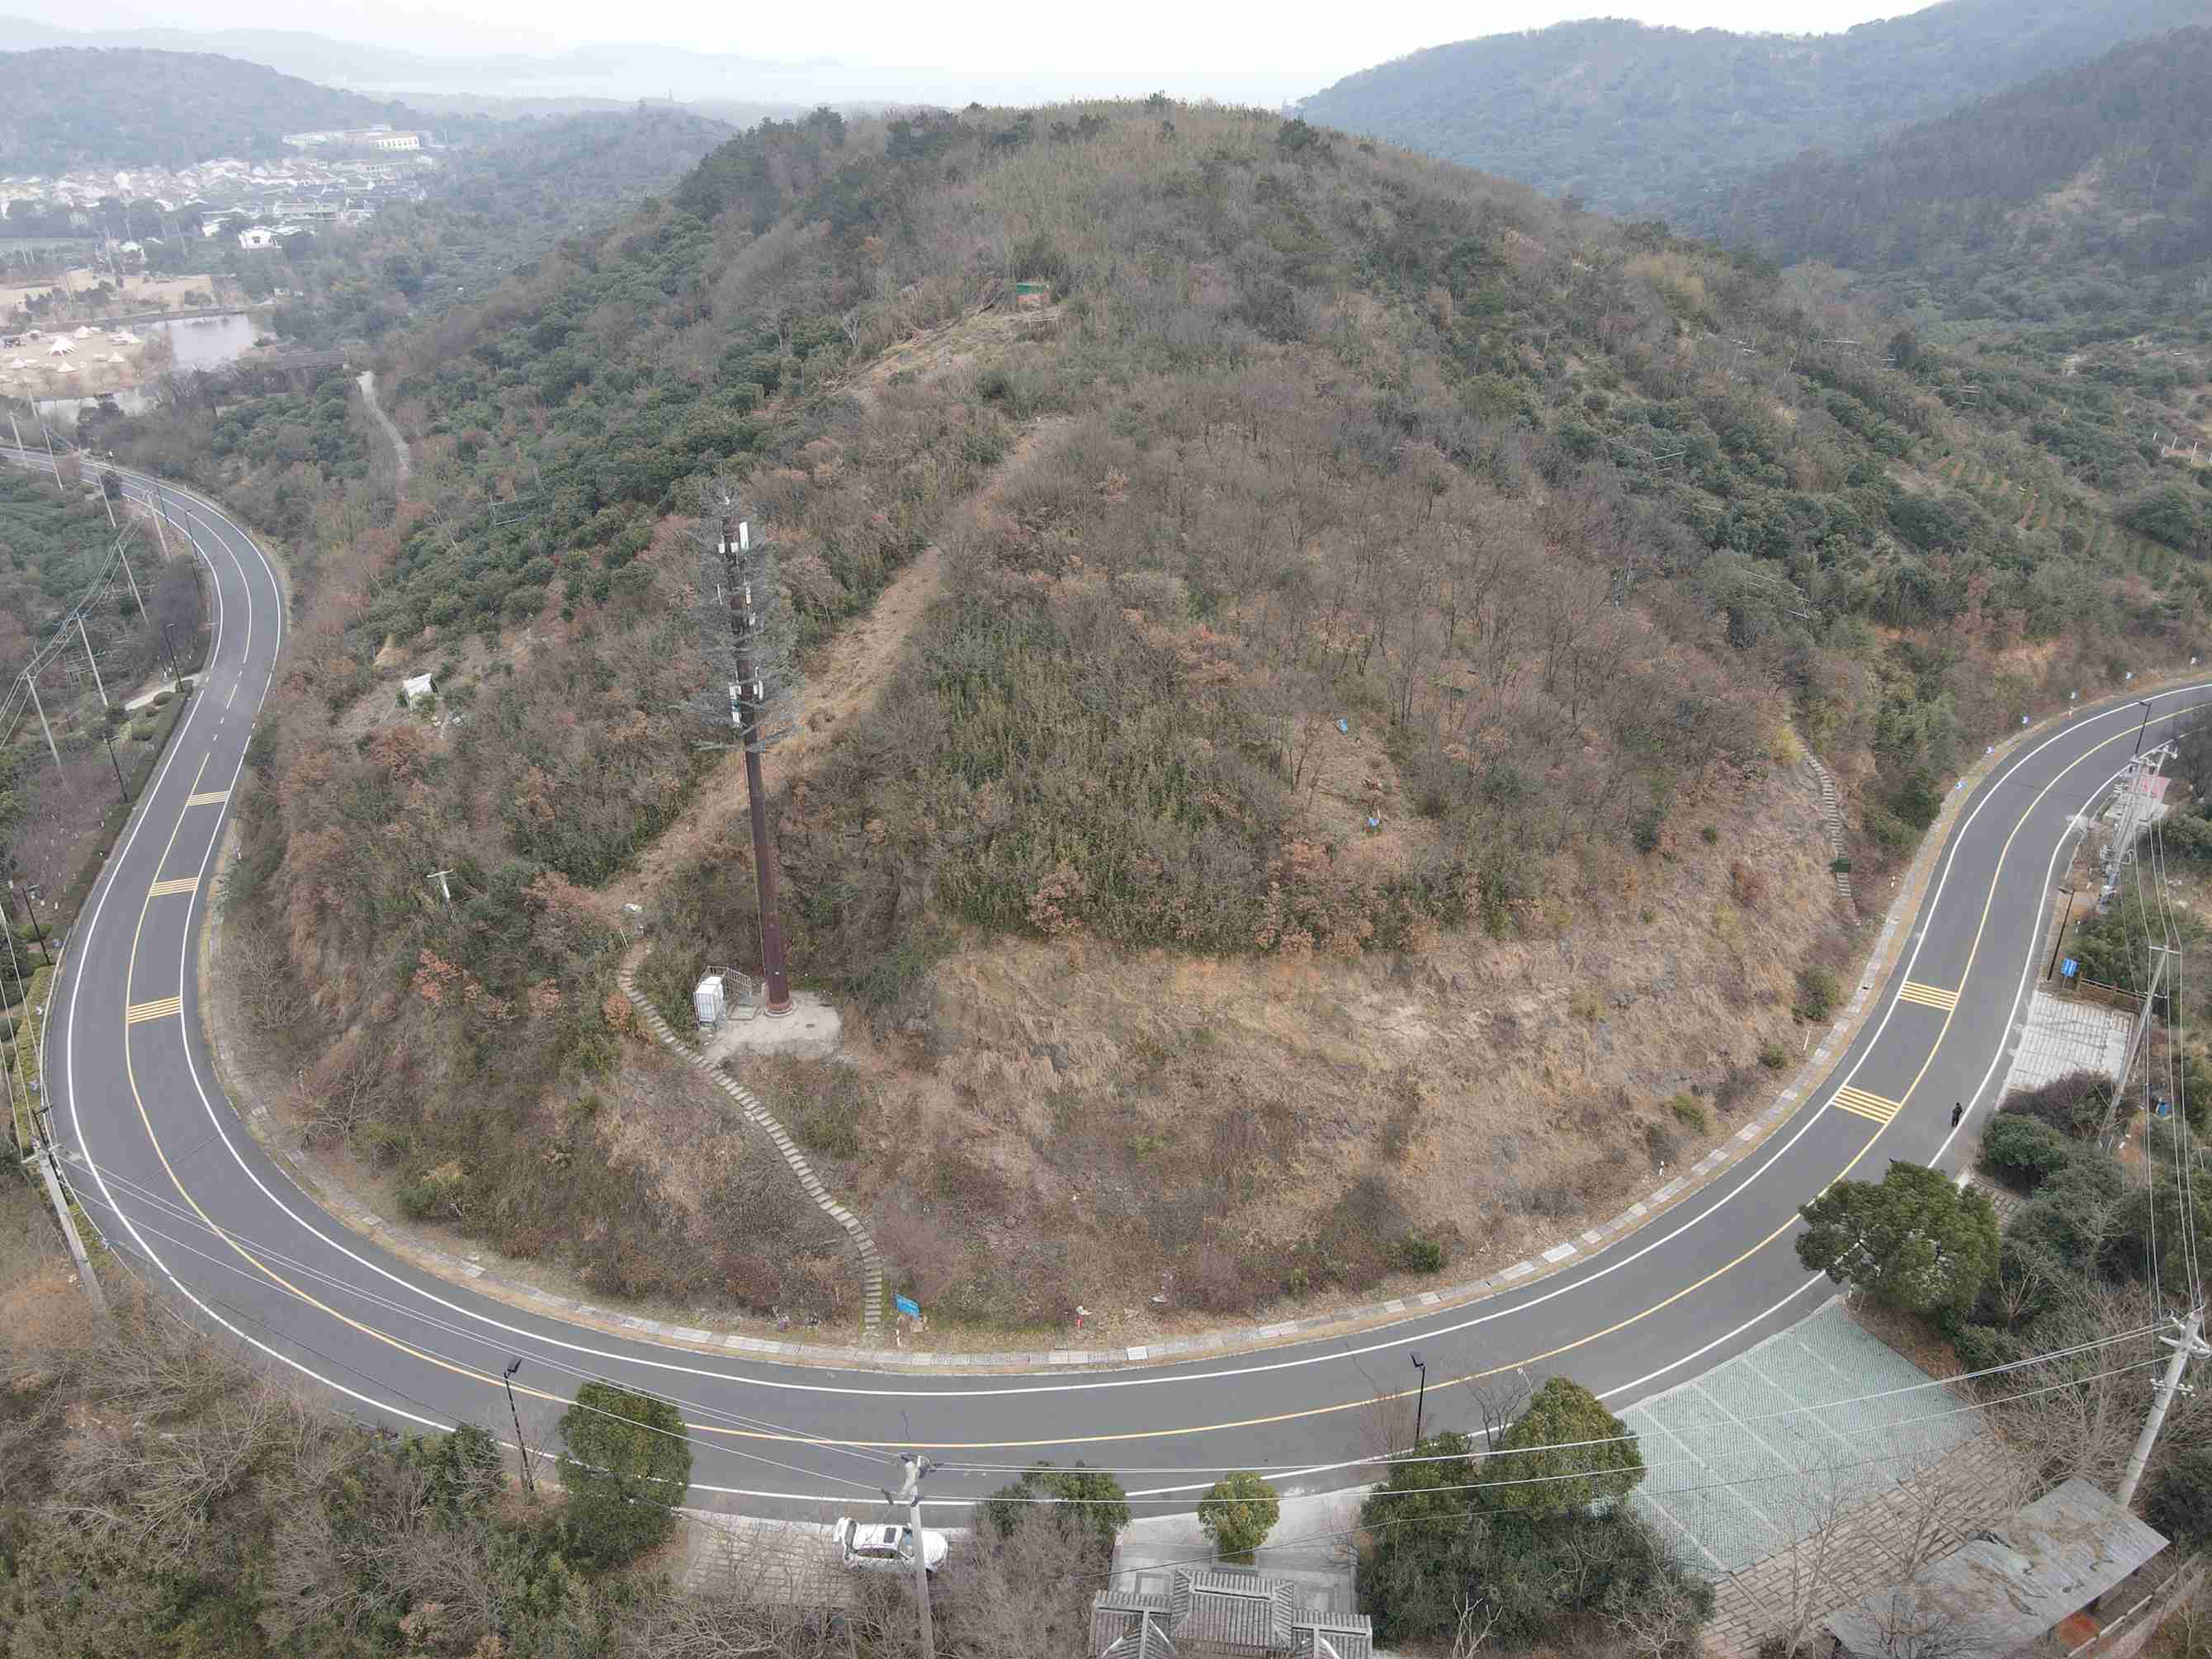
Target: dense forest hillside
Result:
[2102, 169]
[1657, 121]
[1361, 568]
[69, 107]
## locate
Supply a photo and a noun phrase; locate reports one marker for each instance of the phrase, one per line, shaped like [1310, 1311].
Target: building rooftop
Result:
[2010, 1586]
[1223, 1611]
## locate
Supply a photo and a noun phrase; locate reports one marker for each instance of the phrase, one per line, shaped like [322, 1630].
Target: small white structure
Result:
[256, 236]
[60, 349]
[418, 686]
[125, 337]
[86, 330]
[709, 1005]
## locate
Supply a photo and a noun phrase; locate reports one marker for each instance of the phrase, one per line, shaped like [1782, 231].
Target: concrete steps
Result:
[864, 1245]
[1831, 816]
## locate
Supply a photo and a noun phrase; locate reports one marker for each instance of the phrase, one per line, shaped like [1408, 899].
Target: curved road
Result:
[163, 1163]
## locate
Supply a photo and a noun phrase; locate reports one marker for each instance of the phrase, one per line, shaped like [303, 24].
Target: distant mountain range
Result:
[1644, 121]
[626, 71]
[67, 107]
[2105, 163]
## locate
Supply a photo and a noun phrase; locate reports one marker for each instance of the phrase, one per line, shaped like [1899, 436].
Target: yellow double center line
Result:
[1876, 1102]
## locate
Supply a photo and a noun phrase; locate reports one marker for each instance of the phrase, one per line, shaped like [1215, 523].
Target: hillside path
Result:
[366, 381]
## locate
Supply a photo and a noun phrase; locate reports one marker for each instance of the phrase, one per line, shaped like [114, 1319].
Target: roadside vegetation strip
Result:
[864, 1243]
[118, 815]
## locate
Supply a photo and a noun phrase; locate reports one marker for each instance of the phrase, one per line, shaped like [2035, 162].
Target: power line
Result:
[737, 1420]
[558, 1366]
[1573, 1445]
[1652, 1496]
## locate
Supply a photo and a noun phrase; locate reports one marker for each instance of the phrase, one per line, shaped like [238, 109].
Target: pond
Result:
[200, 343]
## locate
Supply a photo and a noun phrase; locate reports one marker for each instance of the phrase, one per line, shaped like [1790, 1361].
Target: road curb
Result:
[1882, 960]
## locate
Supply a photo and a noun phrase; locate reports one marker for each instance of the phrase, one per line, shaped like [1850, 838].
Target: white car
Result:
[887, 1548]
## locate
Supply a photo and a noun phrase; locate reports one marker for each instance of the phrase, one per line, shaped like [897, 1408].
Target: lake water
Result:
[201, 343]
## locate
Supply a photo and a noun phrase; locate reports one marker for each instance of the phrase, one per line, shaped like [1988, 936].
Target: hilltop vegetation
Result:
[1363, 567]
[70, 107]
[1644, 121]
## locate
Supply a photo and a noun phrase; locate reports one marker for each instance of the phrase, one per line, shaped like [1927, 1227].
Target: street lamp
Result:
[1420, 1400]
[521, 1446]
[2144, 724]
[109, 738]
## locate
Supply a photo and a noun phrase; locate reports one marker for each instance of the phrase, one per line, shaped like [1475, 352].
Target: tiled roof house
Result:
[1223, 1613]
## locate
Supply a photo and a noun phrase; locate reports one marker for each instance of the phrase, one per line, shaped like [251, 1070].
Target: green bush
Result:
[1773, 1056]
[1689, 1112]
[1817, 993]
[1237, 1513]
[1418, 1254]
[1565, 1452]
[626, 1467]
[2022, 1152]
[1089, 1501]
[1534, 1579]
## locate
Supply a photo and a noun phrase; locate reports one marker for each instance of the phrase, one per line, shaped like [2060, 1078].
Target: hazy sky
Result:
[1329, 40]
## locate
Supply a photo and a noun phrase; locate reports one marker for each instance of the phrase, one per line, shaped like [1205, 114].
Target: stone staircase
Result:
[864, 1246]
[1831, 815]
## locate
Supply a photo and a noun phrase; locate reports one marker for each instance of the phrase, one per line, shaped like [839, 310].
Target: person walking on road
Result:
[1958, 1112]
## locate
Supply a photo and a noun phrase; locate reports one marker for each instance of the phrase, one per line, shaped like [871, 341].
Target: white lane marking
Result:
[644, 1359]
[1929, 909]
[2026, 972]
[106, 887]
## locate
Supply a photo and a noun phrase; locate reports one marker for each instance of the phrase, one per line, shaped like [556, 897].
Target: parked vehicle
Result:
[887, 1548]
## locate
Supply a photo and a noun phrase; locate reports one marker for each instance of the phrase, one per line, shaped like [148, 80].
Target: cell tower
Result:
[746, 635]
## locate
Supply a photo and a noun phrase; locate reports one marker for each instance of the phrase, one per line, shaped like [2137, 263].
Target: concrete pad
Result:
[811, 1031]
[2065, 1036]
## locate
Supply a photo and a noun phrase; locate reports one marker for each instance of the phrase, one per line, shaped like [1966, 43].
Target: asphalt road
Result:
[163, 1163]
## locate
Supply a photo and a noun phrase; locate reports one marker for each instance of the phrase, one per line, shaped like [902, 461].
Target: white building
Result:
[254, 236]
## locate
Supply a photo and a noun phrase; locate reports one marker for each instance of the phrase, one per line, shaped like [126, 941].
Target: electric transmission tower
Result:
[750, 646]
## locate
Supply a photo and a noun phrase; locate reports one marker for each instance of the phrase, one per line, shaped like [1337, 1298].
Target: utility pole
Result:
[521, 1446]
[751, 695]
[155, 508]
[54, 459]
[130, 578]
[121, 789]
[910, 1495]
[85, 640]
[2159, 953]
[2188, 1344]
[31, 681]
